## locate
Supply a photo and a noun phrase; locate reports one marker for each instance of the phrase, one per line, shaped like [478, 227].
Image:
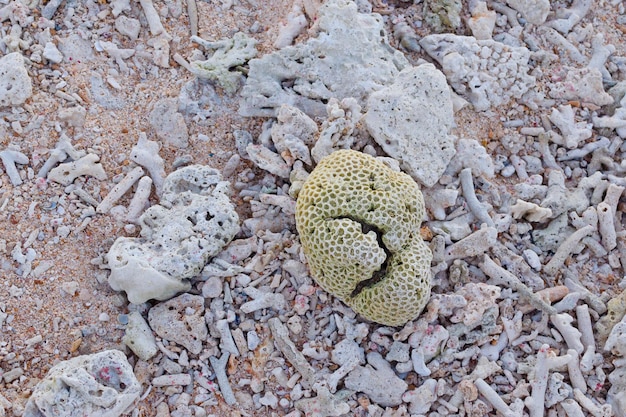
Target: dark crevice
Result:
[377, 275]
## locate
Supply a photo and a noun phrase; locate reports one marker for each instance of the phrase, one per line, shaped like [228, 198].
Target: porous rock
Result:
[229, 54]
[443, 15]
[99, 385]
[169, 124]
[306, 74]
[15, 84]
[359, 227]
[193, 222]
[486, 72]
[534, 11]
[378, 381]
[410, 120]
[181, 320]
[584, 84]
[471, 154]
[67, 172]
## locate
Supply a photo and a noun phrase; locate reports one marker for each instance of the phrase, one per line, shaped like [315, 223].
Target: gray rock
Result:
[15, 84]
[350, 57]
[411, 119]
[169, 124]
[193, 222]
[378, 381]
[99, 385]
[181, 320]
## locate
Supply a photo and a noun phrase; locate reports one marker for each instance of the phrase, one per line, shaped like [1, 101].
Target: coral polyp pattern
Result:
[359, 224]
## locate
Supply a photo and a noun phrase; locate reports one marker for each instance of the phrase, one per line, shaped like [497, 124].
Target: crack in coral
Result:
[379, 274]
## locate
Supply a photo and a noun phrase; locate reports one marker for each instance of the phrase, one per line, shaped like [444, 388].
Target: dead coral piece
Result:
[297, 76]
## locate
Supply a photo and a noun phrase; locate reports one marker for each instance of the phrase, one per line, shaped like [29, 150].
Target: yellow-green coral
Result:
[359, 224]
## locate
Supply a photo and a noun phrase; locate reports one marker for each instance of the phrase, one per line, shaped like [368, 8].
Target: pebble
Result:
[171, 380]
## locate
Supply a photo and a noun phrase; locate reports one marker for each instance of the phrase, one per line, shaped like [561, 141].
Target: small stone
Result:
[139, 338]
[128, 26]
[70, 288]
[398, 352]
[181, 320]
[212, 288]
[52, 54]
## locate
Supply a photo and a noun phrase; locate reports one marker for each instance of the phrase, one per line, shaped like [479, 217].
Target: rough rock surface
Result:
[99, 385]
[169, 124]
[15, 84]
[378, 381]
[180, 320]
[194, 221]
[410, 120]
[359, 226]
[323, 67]
[486, 72]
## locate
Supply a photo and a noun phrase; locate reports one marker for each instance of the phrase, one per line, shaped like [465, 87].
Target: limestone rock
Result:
[534, 11]
[181, 320]
[350, 57]
[169, 124]
[99, 385]
[486, 72]
[193, 222]
[15, 84]
[378, 381]
[411, 119]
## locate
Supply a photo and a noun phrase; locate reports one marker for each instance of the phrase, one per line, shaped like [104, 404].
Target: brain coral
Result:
[359, 223]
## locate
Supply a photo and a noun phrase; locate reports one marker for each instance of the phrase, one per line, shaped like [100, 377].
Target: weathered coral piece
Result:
[378, 381]
[229, 54]
[15, 84]
[181, 320]
[486, 72]
[305, 75]
[193, 222]
[139, 338]
[534, 11]
[359, 226]
[169, 124]
[411, 119]
[66, 173]
[98, 385]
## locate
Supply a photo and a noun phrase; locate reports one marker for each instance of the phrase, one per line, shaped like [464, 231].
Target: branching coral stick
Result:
[575, 374]
[566, 249]
[584, 325]
[119, 190]
[291, 353]
[545, 361]
[502, 276]
[493, 397]
[219, 367]
[192, 11]
[152, 16]
[467, 184]
[606, 226]
[563, 323]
